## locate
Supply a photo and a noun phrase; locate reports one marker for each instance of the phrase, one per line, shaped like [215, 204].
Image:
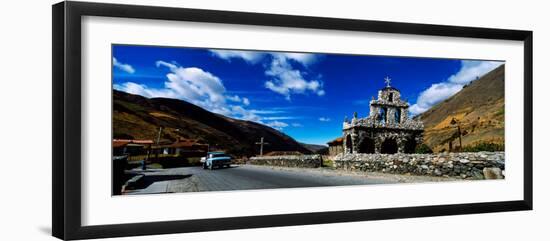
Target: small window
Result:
[397, 116]
[390, 98]
[382, 114]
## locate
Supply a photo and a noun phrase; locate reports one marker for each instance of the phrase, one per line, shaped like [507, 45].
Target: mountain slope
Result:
[137, 117]
[314, 147]
[479, 108]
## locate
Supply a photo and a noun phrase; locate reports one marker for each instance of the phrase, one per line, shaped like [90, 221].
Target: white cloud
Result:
[242, 113]
[296, 125]
[268, 111]
[302, 58]
[124, 67]
[324, 119]
[234, 98]
[287, 80]
[254, 57]
[246, 101]
[133, 88]
[438, 92]
[472, 69]
[238, 99]
[280, 118]
[433, 95]
[277, 125]
[251, 57]
[194, 84]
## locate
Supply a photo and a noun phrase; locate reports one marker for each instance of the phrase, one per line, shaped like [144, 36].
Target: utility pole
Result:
[262, 143]
[158, 141]
[158, 136]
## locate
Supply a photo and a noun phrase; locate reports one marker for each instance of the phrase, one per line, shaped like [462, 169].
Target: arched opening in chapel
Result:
[410, 145]
[389, 146]
[366, 146]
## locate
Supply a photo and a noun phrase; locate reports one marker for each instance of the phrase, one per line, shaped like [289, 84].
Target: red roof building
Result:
[336, 146]
[130, 147]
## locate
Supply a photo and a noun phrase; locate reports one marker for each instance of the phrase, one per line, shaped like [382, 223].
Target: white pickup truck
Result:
[216, 159]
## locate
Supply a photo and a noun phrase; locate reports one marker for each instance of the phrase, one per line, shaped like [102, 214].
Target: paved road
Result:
[243, 177]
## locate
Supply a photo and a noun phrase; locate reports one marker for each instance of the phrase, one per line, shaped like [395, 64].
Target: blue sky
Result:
[303, 95]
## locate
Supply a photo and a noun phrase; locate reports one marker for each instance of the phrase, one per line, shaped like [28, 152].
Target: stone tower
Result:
[387, 129]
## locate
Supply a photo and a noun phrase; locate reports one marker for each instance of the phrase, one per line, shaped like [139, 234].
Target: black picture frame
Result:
[66, 169]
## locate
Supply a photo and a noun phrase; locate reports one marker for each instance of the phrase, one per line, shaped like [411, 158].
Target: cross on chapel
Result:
[388, 81]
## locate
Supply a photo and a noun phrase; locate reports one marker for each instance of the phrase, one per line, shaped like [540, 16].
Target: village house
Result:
[184, 147]
[336, 146]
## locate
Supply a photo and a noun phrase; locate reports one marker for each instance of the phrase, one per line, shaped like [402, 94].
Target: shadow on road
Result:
[139, 171]
[147, 180]
[230, 167]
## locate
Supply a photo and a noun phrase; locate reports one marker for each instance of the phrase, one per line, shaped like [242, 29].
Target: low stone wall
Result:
[311, 161]
[468, 165]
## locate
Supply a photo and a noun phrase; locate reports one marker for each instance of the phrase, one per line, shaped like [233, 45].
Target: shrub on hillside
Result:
[423, 149]
[484, 146]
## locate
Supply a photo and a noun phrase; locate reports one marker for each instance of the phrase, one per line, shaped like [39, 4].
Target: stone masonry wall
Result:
[311, 161]
[469, 165]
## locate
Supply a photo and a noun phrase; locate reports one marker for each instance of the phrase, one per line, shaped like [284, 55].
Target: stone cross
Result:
[262, 143]
[387, 80]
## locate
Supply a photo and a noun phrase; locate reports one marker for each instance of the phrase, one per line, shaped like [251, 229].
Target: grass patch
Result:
[500, 112]
[423, 149]
[154, 166]
[327, 163]
[194, 161]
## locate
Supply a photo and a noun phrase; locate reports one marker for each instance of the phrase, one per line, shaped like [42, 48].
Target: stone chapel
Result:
[387, 129]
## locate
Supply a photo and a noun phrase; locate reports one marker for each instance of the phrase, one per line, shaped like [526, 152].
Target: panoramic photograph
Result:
[200, 119]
